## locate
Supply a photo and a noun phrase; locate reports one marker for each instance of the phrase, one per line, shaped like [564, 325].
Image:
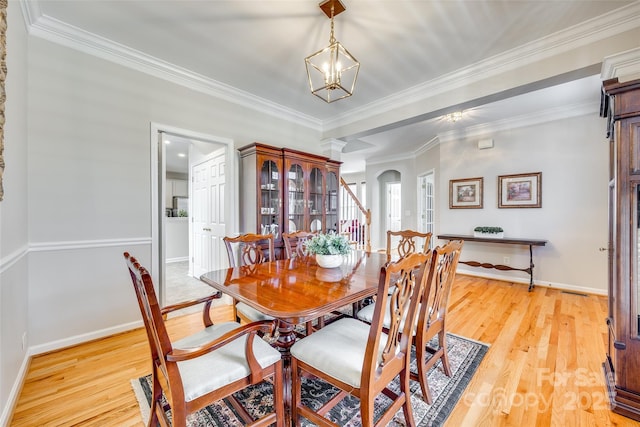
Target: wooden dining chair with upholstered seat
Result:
[212, 364]
[433, 313]
[294, 248]
[431, 319]
[249, 249]
[294, 243]
[410, 242]
[359, 358]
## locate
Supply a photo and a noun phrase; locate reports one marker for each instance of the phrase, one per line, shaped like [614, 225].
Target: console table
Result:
[526, 242]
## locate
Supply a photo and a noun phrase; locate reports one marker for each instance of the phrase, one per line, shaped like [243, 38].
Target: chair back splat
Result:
[230, 356]
[294, 243]
[410, 242]
[361, 359]
[249, 249]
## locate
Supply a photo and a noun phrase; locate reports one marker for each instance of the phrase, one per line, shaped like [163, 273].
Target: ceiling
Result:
[255, 49]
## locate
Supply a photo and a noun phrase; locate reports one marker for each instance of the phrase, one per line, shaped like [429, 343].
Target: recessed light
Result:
[182, 155]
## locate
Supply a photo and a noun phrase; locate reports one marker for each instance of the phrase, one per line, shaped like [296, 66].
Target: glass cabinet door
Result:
[295, 198]
[331, 203]
[270, 199]
[316, 200]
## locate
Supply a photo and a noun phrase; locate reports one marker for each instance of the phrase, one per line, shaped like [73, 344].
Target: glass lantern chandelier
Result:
[332, 71]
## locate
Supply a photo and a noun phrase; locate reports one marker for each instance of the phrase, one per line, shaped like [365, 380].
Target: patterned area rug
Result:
[464, 356]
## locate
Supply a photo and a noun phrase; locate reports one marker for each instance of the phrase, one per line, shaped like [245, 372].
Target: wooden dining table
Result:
[297, 290]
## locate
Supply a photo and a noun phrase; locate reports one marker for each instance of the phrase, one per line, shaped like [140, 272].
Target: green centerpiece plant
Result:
[328, 249]
[492, 232]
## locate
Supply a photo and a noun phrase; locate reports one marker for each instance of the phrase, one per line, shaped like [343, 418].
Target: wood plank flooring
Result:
[543, 367]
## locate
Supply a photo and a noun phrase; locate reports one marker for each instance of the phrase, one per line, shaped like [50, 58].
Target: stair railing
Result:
[355, 219]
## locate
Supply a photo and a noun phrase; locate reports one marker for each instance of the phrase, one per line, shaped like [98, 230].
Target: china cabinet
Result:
[621, 105]
[285, 190]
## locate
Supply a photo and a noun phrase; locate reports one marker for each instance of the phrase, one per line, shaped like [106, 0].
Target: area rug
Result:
[465, 356]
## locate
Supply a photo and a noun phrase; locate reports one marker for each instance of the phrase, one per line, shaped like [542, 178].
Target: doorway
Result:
[426, 205]
[394, 209]
[167, 142]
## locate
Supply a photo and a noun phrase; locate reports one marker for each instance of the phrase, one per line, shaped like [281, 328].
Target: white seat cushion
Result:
[251, 313]
[337, 349]
[366, 315]
[223, 366]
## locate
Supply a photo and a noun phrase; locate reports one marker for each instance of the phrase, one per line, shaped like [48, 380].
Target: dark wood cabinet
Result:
[284, 190]
[621, 105]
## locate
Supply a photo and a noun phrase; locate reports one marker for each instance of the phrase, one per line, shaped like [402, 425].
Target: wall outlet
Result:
[506, 260]
[24, 341]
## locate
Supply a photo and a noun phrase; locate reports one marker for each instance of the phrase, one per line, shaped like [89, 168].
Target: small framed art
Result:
[522, 190]
[465, 193]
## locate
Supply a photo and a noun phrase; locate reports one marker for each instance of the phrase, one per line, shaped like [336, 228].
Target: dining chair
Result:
[410, 242]
[433, 313]
[294, 248]
[249, 249]
[431, 319]
[212, 364]
[359, 358]
[294, 243]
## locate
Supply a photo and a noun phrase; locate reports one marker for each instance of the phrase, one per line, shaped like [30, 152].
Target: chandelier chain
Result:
[332, 39]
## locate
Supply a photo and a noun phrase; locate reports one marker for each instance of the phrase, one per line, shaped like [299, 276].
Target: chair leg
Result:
[296, 386]
[278, 395]
[421, 359]
[366, 410]
[407, 409]
[442, 341]
[156, 394]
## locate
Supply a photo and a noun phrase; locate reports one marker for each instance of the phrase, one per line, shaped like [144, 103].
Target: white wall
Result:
[177, 239]
[89, 123]
[572, 155]
[376, 202]
[13, 216]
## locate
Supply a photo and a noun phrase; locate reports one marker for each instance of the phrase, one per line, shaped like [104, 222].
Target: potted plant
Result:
[490, 232]
[328, 249]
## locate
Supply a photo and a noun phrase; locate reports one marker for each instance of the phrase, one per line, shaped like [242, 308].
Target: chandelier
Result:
[454, 117]
[332, 71]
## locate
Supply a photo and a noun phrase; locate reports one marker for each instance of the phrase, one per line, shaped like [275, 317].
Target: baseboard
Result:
[14, 393]
[83, 338]
[525, 281]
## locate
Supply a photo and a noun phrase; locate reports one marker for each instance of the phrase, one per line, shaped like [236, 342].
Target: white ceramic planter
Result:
[489, 235]
[329, 261]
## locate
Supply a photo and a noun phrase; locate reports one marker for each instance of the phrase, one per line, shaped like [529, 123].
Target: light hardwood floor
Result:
[543, 367]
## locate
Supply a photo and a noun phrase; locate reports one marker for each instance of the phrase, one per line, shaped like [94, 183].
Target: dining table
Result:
[295, 291]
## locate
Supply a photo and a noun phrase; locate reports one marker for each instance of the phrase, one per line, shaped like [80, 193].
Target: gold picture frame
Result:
[466, 193]
[523, 190]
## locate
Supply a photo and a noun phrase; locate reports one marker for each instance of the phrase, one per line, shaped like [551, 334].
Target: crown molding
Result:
[479, 131]
[549, 115]
[621, 64]
[607, 25]
[56, 31]
[602, 27]
[427, 146]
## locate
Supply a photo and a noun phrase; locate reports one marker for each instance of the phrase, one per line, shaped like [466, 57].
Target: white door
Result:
[426, 205]
[394, 209]
[208, 219]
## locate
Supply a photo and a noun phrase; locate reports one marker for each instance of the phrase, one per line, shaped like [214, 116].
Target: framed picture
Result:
[523, 190]
[465, 193]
